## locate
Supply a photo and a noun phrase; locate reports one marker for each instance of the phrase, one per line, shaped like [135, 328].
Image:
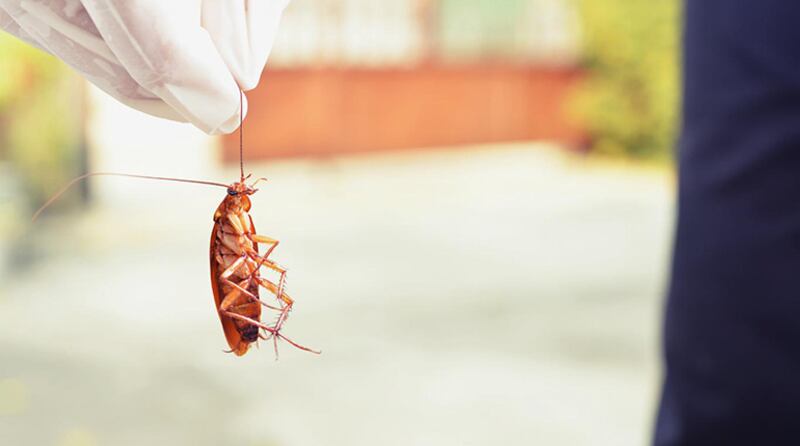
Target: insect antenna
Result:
[241, 144]
[58, 194]
[241, 134]
[115, 174]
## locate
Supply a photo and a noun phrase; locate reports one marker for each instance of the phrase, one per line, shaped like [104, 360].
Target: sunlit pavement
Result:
[504, 296]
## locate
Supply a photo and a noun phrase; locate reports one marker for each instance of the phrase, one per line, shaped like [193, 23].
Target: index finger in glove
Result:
[243, 32]
[164, 48]
[65, 30]
[12, 27]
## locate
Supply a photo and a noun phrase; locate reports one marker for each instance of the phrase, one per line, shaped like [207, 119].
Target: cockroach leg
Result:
[268, 329]
[301, 347]
[229, 299]
[231, 269]
[229, 302]
[231, 241]
[272, 288]
[236, 223]
[244, 219]
[279, 293]
[263, 261]
[225, 277]
[246, 319]
[264, 240]
[249, 294]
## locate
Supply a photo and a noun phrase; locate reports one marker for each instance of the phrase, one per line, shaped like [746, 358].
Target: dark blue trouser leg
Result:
[732, 327]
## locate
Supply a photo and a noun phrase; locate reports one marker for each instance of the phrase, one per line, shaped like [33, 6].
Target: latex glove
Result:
[178, 59]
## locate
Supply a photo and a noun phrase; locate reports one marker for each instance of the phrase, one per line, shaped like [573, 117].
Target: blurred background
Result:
[474, 200]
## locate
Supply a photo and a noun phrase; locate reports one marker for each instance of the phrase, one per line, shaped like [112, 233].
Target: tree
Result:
[628, 100]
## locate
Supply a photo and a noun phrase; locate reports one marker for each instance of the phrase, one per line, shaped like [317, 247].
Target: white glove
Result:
[177, 59]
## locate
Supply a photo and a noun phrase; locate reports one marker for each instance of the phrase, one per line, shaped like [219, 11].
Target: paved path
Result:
[486, 296]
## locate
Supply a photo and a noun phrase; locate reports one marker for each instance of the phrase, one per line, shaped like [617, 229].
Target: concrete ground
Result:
[491, 295]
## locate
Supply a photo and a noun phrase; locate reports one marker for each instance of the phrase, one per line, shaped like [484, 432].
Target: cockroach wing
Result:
[228, 326]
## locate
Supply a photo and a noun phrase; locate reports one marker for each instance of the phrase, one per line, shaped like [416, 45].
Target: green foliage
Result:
[39, 128]
[628, 100]
[22, 66]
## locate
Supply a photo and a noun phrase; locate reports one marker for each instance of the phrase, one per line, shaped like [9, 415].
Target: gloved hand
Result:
[177, 59]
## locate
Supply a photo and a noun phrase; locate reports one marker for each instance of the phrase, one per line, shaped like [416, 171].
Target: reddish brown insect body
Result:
[230, 243]
[235, 274]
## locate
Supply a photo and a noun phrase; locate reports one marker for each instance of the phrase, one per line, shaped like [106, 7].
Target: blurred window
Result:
[409, 32]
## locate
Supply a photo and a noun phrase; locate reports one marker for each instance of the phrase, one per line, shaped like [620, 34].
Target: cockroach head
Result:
[240, 188]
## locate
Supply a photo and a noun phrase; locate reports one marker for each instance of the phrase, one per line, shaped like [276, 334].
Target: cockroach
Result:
[236, 263]
[235, 273]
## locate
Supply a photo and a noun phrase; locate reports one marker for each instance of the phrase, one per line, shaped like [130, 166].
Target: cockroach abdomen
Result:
[249, 333]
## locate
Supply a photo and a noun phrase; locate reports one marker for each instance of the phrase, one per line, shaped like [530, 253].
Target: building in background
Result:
[363, 75]
[403, 33]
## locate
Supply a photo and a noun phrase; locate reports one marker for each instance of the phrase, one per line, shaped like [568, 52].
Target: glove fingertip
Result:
[249, 81]
[231, 124]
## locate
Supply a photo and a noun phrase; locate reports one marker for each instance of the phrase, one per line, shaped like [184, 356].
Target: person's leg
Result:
[732, 327]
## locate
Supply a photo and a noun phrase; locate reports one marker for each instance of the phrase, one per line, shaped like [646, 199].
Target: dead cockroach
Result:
[235, 273]
[235, 264]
